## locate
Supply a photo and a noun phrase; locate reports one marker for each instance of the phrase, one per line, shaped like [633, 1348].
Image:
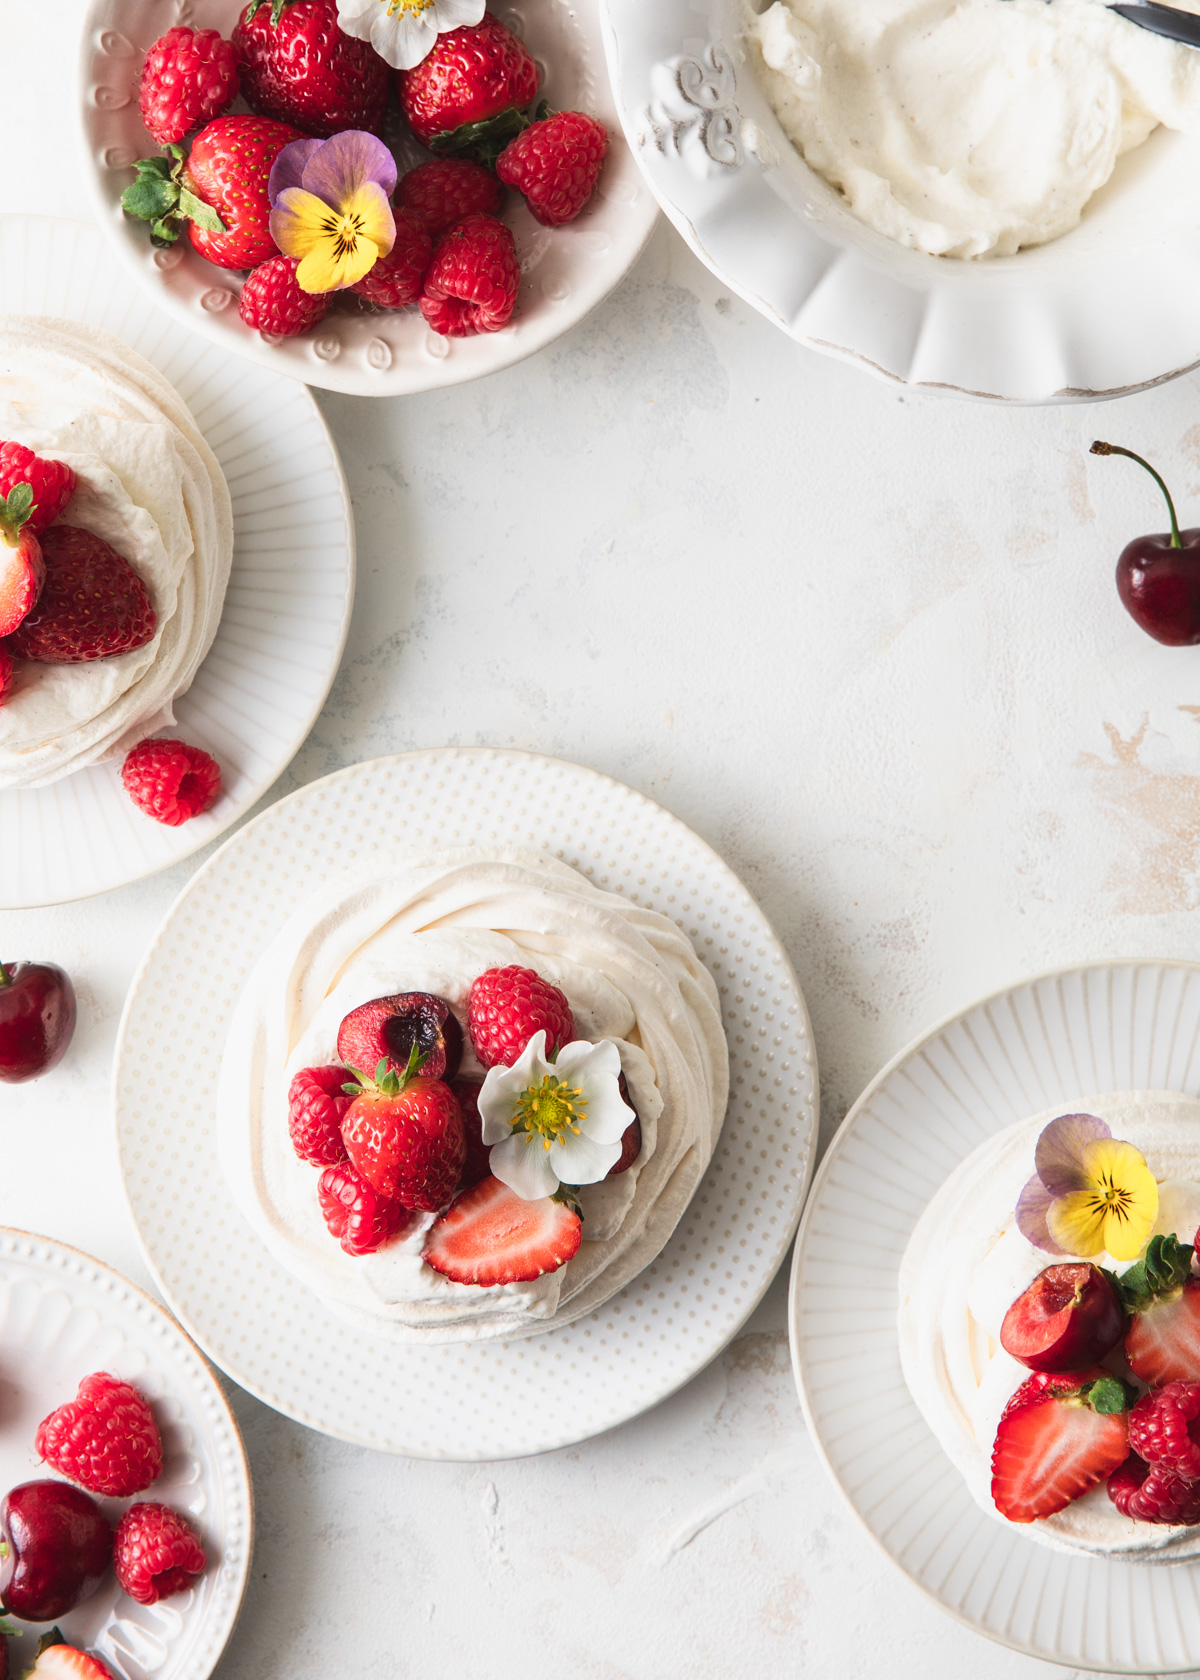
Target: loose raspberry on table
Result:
[446, 190]
[316, 1106]
[396, 279]
[105, 1439]
[1152, 1493]
[1164, 1428]
[190, 77]
[171, 781]
[507, 1006]
[156, 1553]
[52, 482]
[274, 302]
[556, 164]
[473, 280]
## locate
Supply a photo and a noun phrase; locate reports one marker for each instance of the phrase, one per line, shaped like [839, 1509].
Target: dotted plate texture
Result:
[565, 271]
[490, 1400]
[63, 1315]
[1050, 1042]
[287, 608]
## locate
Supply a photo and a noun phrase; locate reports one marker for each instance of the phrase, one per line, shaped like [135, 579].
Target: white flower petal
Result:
[606, 1117]
[358, 19]
[403, 41]
[584, 1160]
[459, 14]
[524, 1165]
[503, 1088]
[582, 1060]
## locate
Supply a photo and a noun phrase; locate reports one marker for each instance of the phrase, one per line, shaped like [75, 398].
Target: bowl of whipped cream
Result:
[986, 197]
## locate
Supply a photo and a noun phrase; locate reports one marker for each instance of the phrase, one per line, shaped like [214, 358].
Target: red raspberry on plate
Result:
[273, 302]
[470, 93]
[473, 280]
[171, 781]
[1164, 1427]
[316, 1106]
[93, 605]
[52, 482]
[556, 164]
[507, 1006]
[397, 279]
[156, 1553]
[356, 1213]
[446, 190]
[1152, 1493]
[105, 1439]
[190, 76]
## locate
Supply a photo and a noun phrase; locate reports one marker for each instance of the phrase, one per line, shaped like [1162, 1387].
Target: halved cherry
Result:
[1067, 1319]
[387, 1028]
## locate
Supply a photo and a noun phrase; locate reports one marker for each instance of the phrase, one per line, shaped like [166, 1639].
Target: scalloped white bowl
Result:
[1109, 308]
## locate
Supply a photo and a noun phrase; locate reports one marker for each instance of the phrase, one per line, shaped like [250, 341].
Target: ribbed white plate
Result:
[1109, 1027]
[490, 1400]
[288, 606]
[62, 1316]
[1067, 322]
[566, 271]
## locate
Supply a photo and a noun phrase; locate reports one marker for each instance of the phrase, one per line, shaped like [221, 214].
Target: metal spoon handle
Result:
[1161, 20]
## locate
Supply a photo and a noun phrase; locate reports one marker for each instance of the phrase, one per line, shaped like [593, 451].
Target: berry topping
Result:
[404, 1134]
[6, 675]
[631, 1146]
[556, 164]
[317, 1103]
[470, 93]
[507, 1006]
[477, 1163]
[93, 605]
[472, 283]
[274, 302]
[22, 565]
[444, 191]
[1058, 1436]
[190, 76]
[389, 1029]
[297, 65]
[105, 1439]
[1162, 1341]
[396, 279]
[1068, 1318]
[1153, 1493]
[66, 1662]
[491, 1236]
[356, 1213]
[171, 781]
[156, 1553]
[1164, 1427]
[52, 482]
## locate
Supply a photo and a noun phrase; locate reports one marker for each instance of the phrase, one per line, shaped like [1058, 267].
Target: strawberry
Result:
[190, 76]
[556, 163]
[490, 1236]
[52, 482]
[507, 1006]
[317, 1104]
[356, 1213]
[396, 279]
[59, 1661]
[273, 302]
[390, 1029]
[1059, 1435]
[93, 604]
[404, 1134]
[156, 1553]
[446, 190]
[299, 67]
[469, 96]
[1162, 1342]
[105, 1439]
[22, 566]
[473, 280]
[477, 1163]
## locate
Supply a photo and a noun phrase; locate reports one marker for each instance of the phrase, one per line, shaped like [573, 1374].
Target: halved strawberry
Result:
[1059, 1435]
[59, 1661]
[491, 1236]
[22, 568]
[1162, 1342]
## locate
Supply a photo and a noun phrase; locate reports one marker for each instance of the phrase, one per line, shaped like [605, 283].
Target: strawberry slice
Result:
[59, 1661]
[491, 1236]
[1162, 1342]
[1059, 1435]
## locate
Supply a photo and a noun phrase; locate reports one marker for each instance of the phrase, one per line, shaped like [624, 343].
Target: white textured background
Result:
[868, 645]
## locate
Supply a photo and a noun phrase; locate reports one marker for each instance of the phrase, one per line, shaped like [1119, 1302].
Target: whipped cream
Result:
[149, 485]
[966, 1263]
[432, 921]
[969, 128]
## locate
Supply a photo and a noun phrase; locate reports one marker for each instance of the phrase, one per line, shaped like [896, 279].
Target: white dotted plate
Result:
[566, 271]
[1109, 1027]
[62, 1316]
[286, 611]
[491, 1400]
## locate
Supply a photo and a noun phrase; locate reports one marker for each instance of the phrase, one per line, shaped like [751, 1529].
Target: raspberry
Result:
[446, 190]
[472, 283]
[52, 482]
[190, 77]
[507, 1006]
[397, 278]
[1164, 1427]
[272, 302]
[556, 164]
[156, 1553]
[171, 781]
[105, 1439]
[356, 1213]
[1151, 1493]
[6, 675]
[316, 1104]
[478, 1164]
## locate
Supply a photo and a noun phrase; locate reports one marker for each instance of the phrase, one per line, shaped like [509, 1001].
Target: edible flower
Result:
[329, 207]
[554, 1122]
[405, 31]
[1090, 1194]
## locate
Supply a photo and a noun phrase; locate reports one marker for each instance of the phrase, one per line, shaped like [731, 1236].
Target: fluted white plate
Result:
[62, 1316]
[487, 1400]
[1071, 321]
[1107, 1027]
[565, 271]
[286, 611]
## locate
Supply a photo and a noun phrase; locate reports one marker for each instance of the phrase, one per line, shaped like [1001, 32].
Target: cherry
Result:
[388, 1028]
[1067, 1319]
[37, 1019]
[1158, 577]
[60, 1545]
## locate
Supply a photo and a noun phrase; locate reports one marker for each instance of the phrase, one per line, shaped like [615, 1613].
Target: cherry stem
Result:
[5, 980]
[1099, 448]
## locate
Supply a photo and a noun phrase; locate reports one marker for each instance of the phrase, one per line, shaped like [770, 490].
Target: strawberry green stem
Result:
[1099, 448]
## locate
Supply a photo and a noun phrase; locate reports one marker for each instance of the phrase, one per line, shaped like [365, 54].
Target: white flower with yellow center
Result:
[405, 31]
[558, 1122]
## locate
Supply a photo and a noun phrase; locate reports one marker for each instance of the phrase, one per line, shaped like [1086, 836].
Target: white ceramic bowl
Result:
[566, 271]
[1107, 309]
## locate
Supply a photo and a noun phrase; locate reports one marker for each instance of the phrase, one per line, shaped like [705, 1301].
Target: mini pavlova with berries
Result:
[1050, 1325]
[466, 1094]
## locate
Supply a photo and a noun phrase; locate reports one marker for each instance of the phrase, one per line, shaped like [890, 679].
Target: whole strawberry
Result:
[556, 164]
[105, 1439]
[156, 1553]
[273, 302]
[228, 169]
[93, 604]
[22, 561]
[507, 1006]
[397, 279]
[472, 283]
[190, 76]
[171, 781]
[298, 66]
[52, 482]
[470, 95]
[317, 1104]
[356, 1213]
[404, 1134]
[445, 190]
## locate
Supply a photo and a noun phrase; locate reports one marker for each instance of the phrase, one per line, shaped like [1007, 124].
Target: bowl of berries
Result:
[363, 222]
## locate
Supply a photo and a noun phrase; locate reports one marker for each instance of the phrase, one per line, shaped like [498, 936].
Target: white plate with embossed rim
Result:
[1050, 1041]
[486, 1400]
[62, 1316]
[1070, 321]
[286, 611]
[566, 271]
